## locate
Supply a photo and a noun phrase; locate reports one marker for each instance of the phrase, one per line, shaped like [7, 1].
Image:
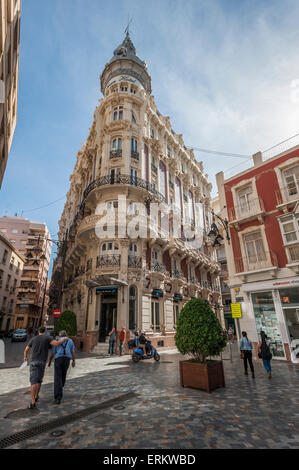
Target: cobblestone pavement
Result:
[247, 413]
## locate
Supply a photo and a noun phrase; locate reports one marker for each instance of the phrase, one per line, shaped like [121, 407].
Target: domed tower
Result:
[127, 260]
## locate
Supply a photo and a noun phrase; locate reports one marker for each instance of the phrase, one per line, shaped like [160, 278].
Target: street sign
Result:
[56, 313]
[236, 310]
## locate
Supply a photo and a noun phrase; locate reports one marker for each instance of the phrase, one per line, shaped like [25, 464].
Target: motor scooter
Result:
[152, 352]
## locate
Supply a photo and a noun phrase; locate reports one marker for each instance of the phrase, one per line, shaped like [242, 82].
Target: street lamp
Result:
[214, 233]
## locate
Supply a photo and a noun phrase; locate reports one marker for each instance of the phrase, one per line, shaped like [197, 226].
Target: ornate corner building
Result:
[127, 258]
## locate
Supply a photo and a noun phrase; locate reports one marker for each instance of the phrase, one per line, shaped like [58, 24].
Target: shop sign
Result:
[177, 297]
[157, 293]
[286, 300]
[239, 299]
[106, 290]
[236, 310]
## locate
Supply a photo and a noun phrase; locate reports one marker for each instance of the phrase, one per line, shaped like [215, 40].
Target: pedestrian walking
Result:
[230, 334]
[122, 338]
[246, 353]
[112, 340]
[265, 354]
[40, 345]
[62, 356]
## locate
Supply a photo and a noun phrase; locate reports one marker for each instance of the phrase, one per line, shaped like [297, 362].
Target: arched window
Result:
[110, 247]
[132, 308]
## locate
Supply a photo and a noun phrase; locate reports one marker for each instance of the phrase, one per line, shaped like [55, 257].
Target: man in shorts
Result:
[40, 345]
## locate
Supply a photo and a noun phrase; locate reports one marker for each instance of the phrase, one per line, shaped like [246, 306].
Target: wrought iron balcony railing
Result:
[264, 260]
[115, 153]
[249, 209]
[206, 285]
[193, 280]
[134, 261]
[108, 261]
[158, 267]
[123, 180]
[178, 274]
[135, 155]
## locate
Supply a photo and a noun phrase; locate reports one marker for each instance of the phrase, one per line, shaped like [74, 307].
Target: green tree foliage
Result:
[199, 331]
[68, 322]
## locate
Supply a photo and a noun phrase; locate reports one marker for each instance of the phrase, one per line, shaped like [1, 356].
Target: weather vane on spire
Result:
[127, 30]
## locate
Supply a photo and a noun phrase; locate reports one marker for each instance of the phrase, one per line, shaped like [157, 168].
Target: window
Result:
[111, 205]
[8, 281]
[133, 90]
[254, 247]
[118, 113]
[245, 200]
[175, 313]
[152, 133]
[291, 177]
[134, 146]
[294, 253]
[169, 153]
[133, 118]
[155, 315]
[4, 258]
[116, 144]
[110, 247]
[123, 88]
[290, 228]
[133, 208]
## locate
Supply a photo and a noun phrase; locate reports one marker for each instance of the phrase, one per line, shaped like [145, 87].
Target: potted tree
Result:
[200, 334]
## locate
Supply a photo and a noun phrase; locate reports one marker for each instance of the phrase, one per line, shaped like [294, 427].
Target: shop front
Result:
[289, 298]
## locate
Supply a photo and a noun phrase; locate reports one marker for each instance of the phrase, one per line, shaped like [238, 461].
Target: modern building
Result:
[11, 268]
[10, 16]
[135, 219]
[33, 241]
[262, 206]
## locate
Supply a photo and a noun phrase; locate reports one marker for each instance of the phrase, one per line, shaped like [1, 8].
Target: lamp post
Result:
[214, 232]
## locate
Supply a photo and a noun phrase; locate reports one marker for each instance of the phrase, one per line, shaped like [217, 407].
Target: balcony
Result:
[176, 274]
[264, 262]
[286, 196]
[135, 155]
[107, 261]
[158, 267]
[123, 180]
[206, 285]
[193, 280]
[115, 153]
[244, 212]
[134, 261]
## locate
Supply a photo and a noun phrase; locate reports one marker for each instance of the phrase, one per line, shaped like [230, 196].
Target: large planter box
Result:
[206, 377]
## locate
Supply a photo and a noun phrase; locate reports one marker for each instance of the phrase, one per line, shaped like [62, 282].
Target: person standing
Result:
[122, 338]
[40, 345]
[246, 351]
[62, 356]
[112, 339]
[265, 354]
[230, 334]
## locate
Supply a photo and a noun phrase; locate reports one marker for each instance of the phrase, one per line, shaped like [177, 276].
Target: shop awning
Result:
[104, 280]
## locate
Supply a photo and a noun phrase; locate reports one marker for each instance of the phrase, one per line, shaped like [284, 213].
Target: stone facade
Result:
[10, 16]
[128, 258]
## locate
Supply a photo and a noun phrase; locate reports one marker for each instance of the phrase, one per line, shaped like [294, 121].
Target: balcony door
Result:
[291, 177]
[255, 252]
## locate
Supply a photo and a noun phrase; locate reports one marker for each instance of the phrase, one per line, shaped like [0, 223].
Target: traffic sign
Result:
[236, 310]
[56, 313]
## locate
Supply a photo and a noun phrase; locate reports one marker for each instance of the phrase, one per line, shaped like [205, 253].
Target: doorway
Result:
[108, 318]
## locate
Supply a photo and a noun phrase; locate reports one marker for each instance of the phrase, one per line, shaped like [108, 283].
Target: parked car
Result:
[19, 335]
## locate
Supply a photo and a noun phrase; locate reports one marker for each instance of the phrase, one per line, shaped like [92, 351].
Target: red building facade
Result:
[262, 207]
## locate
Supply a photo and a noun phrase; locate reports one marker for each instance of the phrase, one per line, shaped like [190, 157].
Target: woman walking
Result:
[246, 353]
[265, 353]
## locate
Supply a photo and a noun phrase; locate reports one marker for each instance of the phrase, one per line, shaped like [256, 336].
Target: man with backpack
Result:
[265, 354]
[62, 356]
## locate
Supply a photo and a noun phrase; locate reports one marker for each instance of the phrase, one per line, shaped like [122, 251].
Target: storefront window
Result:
[266, 320]
[290, 304]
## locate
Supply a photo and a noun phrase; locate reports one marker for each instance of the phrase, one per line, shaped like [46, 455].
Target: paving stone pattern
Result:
[247, 413]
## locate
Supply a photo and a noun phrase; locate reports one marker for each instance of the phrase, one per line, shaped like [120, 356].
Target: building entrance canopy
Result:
[104, 280]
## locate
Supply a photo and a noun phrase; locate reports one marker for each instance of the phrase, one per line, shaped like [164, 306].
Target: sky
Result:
[226, 72]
